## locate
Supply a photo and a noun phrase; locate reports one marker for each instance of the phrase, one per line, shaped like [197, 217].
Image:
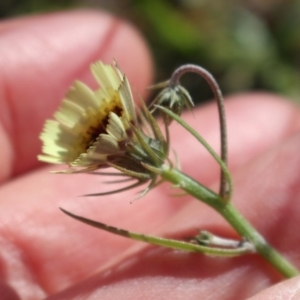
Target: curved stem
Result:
[234, 218]
[206, 145]
[222, 119]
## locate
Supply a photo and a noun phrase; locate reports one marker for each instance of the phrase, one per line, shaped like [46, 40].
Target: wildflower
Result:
[100, 129]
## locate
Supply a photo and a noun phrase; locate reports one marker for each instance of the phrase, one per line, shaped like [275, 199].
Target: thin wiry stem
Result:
[167, 133]
[120, 180]
[139, 183]
[169, 243]
[154, 126]
[137, 175]
[145, 146]
[108, 174]
[218, 95]
[192, 131]
[152, 184]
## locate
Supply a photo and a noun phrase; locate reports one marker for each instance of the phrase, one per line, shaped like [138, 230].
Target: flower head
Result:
[90, 125]
[98, 129]
[174, 97]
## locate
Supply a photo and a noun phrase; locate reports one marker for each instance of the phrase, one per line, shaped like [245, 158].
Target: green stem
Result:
[222, 164]
[168, 243]
[220, 102]
[233, 216]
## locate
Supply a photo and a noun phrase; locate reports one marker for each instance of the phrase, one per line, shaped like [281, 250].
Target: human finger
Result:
[28, 218]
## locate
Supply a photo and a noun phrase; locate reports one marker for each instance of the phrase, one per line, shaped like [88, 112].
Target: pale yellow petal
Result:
[49, 159]
[115, 127]
[105, 144]
[82, 95]
[89, 124]
[105, 75]
[127, 99]
[69, 113]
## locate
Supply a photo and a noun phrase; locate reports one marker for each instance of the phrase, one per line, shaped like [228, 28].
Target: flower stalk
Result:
[233, 217]
[174, 81]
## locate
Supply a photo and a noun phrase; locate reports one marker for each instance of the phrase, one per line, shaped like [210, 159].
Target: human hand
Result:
[45, 254]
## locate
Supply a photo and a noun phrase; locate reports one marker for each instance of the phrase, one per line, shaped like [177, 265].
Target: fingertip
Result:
[286, 290]
[256, 122]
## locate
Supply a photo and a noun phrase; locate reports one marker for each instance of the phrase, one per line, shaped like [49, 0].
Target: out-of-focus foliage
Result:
[250, 44]
[22, 7]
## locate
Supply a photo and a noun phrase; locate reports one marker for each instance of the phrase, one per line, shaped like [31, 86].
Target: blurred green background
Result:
[246, 45]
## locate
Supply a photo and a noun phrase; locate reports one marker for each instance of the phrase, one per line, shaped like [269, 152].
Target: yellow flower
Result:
[90, 125]
[100, 129]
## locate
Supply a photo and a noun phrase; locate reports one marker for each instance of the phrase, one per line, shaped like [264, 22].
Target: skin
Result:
[46, 255]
